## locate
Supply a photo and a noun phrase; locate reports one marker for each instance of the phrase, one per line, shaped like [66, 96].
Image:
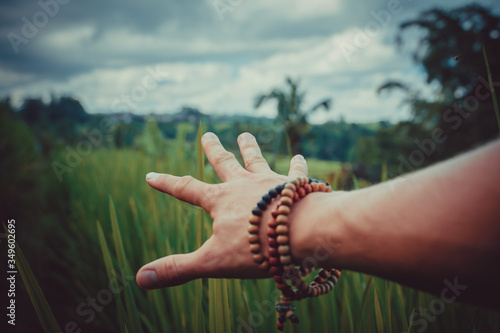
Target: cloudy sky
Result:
[216, 55]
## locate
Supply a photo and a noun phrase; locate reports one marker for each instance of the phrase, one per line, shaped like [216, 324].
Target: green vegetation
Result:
[86, 233]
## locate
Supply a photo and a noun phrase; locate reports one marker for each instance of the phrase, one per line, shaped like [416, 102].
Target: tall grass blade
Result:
[492, 88]
[42, 308]
[132, 312]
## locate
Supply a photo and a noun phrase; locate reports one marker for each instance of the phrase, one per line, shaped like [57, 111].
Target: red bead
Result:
[274, 270]
[271, 232]
[272, 242]
[296, 196]
[278, 278]
[274, 261]
[302, 192]
[274, 213]
[273, 252]
[272, 222]
[308, 188]
[280, 326]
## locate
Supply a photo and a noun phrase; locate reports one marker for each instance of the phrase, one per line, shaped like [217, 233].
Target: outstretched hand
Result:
[225, 254]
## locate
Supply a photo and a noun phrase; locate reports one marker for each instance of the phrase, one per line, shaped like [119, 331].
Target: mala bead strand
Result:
[280, 262]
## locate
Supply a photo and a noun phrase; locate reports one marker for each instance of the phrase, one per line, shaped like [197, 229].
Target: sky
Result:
[215, 55]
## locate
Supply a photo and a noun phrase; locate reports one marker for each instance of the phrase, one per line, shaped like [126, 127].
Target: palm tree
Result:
[290, 113]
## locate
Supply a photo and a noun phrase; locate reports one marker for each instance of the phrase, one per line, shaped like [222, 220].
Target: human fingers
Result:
[171, 270]
[224, 163]
[184, 188]
[298, 167]
[252, 156]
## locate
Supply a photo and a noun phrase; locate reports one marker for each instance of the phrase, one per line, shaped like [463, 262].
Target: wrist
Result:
[318, 231]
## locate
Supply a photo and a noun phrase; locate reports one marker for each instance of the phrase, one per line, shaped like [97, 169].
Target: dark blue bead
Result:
[294, 319]
[256, 211]
[262, 204]
[310, 180]
[279, 188]
[267, 198]
[273, 193]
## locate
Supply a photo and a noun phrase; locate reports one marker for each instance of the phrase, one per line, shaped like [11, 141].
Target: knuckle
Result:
[253, 160]
[223, 156]
[181, 184]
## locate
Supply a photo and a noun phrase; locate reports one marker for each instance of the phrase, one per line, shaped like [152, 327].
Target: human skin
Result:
[420, 229]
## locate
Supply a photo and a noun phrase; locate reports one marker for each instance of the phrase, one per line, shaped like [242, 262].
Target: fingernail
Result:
[246, 137]
[147, 279]
[299, 157]
[151, 176]
[209, 136]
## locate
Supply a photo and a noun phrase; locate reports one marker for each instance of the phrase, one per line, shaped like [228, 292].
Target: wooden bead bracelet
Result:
[280, 264]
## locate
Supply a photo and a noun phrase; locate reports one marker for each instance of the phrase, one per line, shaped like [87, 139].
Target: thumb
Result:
[171, 271]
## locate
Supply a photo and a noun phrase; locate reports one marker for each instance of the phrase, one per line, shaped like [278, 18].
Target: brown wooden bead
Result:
[285, 210]
[253, 229]
[315, 187]
[285, 260]
[287, 201]
[282, 229]
[302, 192]
[323, 273]
[253, 238]
[258, 257]
[328, 189]
[282, 240]
[318, 279]
[291, 186]
[287, 193]
[308, 188]
[282, 219]
[255, 247]
[303, 286]
[337, 273]
[333, 279]
[254, 219]
[264, 266]
[289, 268]
[296, 181]
[284, 249]
[322, 187]
[296, 196]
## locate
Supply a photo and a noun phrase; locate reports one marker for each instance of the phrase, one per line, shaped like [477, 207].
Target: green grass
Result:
[119, 224]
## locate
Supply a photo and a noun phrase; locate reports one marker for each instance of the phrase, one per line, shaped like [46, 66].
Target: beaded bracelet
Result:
[280, 264]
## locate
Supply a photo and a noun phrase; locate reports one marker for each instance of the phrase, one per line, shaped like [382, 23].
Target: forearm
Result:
[439, 223]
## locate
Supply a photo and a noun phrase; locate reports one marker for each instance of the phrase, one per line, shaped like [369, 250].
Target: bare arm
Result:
[439, 223]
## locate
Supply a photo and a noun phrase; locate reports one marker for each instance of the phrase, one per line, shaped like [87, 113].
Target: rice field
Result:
[118, 223]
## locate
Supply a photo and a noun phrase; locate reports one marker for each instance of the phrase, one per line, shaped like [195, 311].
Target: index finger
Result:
[184, 188]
